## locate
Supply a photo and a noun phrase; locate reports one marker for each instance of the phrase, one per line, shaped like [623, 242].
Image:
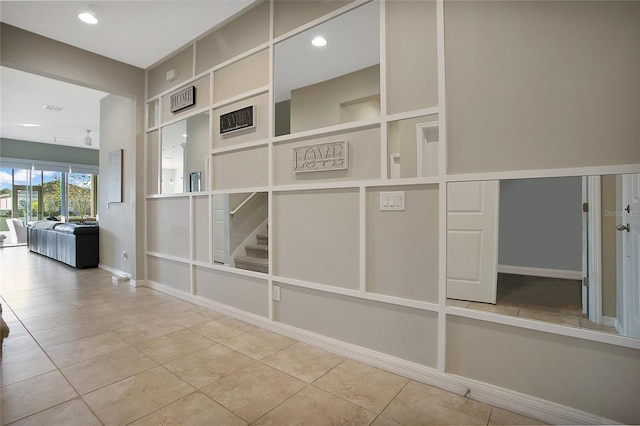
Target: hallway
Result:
[86, 351]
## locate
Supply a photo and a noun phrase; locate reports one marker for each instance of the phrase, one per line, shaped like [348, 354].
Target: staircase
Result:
[257, 258]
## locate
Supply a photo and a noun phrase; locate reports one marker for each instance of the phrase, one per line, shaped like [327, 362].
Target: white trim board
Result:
[546, 411]
[540, 272]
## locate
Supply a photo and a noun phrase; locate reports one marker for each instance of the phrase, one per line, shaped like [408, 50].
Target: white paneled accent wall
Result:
[372, 284]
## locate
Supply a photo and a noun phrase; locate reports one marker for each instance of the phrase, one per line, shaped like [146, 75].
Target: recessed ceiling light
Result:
[319, 41]
[31, 125]
[90, 16]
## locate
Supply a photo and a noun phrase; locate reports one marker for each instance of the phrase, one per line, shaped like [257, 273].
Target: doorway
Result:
[538, 270]
[28, 203]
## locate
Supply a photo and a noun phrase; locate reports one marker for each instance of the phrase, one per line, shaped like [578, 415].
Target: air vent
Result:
[52, 108]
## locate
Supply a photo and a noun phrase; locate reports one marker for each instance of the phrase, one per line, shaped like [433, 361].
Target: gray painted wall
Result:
[30, 52]
[12, 148]
[541, 223]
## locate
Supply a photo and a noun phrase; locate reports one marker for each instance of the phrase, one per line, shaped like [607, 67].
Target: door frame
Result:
[422, 159]
[29, 189]
[592, 250]
[623, 286]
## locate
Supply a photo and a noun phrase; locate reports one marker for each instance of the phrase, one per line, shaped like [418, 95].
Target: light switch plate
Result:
[392, 201]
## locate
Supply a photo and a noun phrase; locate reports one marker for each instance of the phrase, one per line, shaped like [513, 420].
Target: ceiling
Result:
[139, 33]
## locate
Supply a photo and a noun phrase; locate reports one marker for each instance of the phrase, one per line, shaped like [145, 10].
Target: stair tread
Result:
[252, 259]
[257, 246]
[252, 263]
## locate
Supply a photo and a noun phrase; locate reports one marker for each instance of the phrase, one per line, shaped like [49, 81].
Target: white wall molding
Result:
[609, 321]
[497, 396]
[540, 272]
[114, 271]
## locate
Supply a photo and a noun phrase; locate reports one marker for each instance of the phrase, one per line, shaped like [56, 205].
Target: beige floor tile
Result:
[208, 365]
[16, 328]
[83, 349]
[68, 333]
[94, 373]
[194, 409]
[259, 343]
[191, 318]
[212, 315]
[71, 413]
[19, 344]
[458, 303]
[383, 421]
[497, 309]
[144, 300]
[253, 391]
[21, 294]
[216, 330]
[585, 323]
[504, 417]
[139, 332]
[105, 309]
[315, 407]
[42, 310]
[242, 326]
[27, 302]
[535, 314]
[172, 307]
[35, 394]
[420, 404]
[7, 314]
[55, 320]
[135, 397]
[113, 322]
[369, 387]
[303, 361]
[174, 345]
[16, 367]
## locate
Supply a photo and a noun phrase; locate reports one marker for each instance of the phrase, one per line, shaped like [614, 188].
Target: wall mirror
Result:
[521, 247]
[240, 230]
[185, 145]
[413, 147]
[329, 74]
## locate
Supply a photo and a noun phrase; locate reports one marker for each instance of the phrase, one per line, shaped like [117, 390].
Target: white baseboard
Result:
[609, 321]
[540, 272]
[527, 405]
[121, 275]
[618, 327]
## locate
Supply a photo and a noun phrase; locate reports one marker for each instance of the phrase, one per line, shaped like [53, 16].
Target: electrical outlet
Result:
[276, 293]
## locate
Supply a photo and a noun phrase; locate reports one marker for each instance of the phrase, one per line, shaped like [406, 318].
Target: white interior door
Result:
[630, 227]
[221, 229]
[472, 240]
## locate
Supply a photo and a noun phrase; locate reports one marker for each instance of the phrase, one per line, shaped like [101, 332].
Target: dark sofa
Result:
[76, 245]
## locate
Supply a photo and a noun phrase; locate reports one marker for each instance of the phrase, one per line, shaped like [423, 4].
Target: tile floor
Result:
[554, 300]
[85, 351]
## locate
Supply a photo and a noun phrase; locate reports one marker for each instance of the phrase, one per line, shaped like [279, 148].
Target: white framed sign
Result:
[321, 157]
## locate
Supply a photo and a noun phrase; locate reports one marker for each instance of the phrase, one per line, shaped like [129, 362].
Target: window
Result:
[37, 194]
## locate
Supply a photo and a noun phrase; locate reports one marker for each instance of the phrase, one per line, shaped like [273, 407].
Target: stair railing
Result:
[242, 204]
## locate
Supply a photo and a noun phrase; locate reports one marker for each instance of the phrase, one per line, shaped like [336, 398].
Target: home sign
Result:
[240, 119]
[183, 99]
[321, 157]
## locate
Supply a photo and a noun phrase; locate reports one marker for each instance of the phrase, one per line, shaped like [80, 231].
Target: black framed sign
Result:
[240, 119]
[183, 99]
